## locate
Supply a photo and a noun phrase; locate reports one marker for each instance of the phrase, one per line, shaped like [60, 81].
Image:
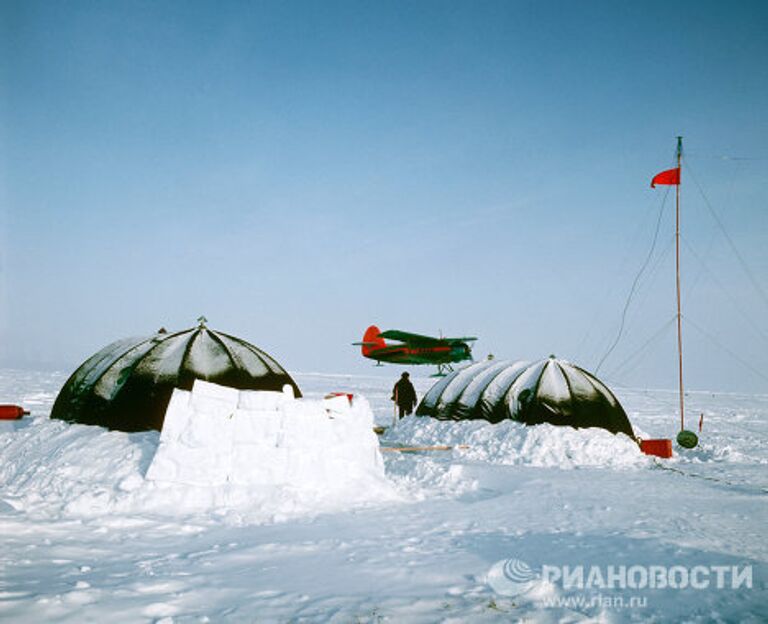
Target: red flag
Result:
[670, 176]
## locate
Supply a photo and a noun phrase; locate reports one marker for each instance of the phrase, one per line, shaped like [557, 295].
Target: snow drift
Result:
[248, 455]
[510, 442]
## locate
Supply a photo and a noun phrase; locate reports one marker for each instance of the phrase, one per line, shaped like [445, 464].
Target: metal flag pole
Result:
[677, 273]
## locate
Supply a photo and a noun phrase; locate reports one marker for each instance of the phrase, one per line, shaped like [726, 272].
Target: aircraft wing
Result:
[396, 334]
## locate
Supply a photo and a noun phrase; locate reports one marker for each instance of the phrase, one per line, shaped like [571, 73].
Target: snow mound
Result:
[720, 452]
[510, 442]
[421, 478]
[220, 440]
[245, 456]
[51, 468]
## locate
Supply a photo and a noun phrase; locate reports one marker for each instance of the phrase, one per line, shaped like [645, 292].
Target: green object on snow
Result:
[687, 439]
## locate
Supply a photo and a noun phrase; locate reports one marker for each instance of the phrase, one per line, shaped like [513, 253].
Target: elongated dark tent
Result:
[127, 385]
[551, 390]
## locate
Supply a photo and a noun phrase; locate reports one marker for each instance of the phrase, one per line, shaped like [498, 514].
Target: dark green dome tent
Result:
[127, 385]
[552, 391]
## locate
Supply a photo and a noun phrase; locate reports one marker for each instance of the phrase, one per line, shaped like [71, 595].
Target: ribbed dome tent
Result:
[551, 390]
[127, 385]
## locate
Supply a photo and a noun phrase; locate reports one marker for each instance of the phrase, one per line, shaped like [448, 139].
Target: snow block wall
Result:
[326, 450]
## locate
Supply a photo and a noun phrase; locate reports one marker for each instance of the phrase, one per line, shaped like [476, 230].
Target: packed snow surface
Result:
[221, 448]
[110, 526]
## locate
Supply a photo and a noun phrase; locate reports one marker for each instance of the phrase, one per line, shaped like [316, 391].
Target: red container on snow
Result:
[349, 395]
[11, 412]
[659, 448]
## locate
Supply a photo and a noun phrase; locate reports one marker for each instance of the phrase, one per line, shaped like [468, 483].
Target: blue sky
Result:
[296, 171]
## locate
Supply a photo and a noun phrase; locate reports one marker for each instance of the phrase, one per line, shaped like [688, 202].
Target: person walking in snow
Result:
[404, 395]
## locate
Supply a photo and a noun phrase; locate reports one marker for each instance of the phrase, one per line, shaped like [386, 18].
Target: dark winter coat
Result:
[404, 394]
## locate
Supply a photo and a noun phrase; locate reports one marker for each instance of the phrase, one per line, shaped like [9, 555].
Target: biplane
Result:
[414, 348]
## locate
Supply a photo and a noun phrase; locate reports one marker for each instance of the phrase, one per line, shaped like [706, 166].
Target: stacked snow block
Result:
[214, 436]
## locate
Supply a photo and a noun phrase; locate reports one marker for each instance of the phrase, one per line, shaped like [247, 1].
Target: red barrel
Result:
[11, 412]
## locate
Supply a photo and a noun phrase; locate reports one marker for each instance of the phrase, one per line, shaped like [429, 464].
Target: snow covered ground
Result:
[84, 541]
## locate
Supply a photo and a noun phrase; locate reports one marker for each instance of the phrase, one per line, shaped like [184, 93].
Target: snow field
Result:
[87, 537]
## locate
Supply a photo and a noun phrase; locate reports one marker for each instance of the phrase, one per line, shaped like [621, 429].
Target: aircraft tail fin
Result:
[372, 340]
